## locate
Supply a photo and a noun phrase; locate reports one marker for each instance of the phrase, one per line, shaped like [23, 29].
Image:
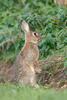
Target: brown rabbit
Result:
[27, 61]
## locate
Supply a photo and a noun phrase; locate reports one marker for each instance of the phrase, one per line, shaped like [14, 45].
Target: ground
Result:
[13, 92]
[53, 73]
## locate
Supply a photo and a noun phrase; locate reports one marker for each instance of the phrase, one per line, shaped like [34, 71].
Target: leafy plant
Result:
[43, 16]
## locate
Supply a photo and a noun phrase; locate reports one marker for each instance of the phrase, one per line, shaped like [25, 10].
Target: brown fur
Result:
[23, 70]
[27, 60]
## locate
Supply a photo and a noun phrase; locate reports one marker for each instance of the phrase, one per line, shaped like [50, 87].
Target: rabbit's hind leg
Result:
[33, 81]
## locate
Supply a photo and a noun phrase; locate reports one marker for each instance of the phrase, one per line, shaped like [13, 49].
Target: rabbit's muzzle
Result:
[39, 38]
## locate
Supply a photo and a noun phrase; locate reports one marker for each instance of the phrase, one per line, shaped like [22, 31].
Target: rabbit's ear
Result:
[25, 27]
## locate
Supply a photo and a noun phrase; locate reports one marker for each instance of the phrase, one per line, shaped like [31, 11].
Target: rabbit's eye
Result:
[35, 34]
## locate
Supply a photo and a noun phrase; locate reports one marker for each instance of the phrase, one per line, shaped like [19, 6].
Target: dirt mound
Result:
[53, 72]
[6, 71]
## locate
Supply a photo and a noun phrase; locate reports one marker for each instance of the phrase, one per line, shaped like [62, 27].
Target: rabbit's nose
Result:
[21, 21]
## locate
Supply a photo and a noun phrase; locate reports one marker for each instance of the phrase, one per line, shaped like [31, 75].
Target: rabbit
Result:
[27, 64]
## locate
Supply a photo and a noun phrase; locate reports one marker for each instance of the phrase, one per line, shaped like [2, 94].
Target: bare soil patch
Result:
[53, 72]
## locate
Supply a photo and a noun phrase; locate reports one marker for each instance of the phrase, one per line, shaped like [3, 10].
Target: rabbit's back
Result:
[23, 66]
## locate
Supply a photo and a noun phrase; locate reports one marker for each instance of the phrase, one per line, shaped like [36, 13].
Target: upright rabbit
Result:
[27, 61]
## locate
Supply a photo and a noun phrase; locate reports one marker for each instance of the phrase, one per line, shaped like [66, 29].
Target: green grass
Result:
[13, 92]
